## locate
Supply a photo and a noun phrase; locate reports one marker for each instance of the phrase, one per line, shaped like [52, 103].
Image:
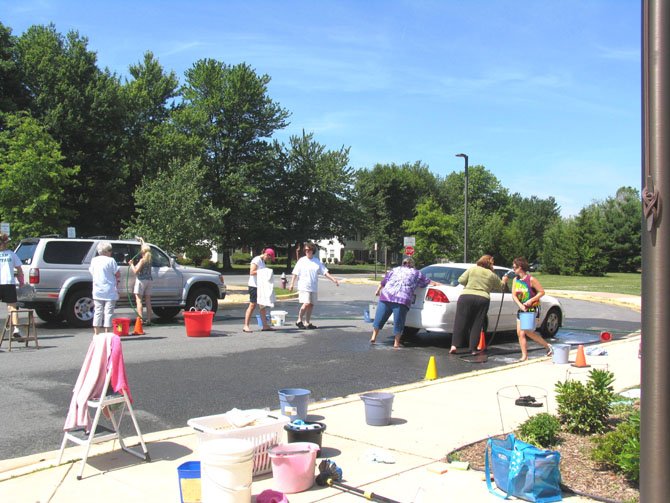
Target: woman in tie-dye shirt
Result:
[395, 292]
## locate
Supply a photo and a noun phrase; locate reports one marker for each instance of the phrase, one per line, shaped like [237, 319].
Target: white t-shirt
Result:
[103, 269]
[259, 265]
[9, 261]
[308, 271]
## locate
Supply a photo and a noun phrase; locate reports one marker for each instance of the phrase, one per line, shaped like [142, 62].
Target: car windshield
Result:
[443, 274]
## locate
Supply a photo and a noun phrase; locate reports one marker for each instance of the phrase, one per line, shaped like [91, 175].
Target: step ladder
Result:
[22, 319]
[113, 406]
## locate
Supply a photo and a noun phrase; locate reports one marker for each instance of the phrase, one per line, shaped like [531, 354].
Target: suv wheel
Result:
[166, 313]
[78, 308]
[48, 315]
[202, 298]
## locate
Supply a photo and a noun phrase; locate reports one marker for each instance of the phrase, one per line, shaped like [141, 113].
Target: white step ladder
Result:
[114, 406]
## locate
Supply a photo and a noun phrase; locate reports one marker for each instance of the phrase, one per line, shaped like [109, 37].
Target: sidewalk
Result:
[429, 420]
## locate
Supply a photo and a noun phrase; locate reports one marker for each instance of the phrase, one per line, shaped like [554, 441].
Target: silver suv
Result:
[57, 271]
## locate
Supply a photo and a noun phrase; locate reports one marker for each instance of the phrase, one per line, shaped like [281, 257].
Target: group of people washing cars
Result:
[396, 293]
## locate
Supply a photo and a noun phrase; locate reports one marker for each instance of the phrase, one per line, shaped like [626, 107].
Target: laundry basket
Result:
[264, 434]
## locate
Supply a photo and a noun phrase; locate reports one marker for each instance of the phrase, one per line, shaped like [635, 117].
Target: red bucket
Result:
[198, 323]
[121, 326]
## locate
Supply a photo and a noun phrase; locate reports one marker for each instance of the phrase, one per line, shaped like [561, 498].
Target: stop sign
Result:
[409, 250]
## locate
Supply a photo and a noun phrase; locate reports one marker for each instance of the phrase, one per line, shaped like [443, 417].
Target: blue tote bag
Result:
[522, 470]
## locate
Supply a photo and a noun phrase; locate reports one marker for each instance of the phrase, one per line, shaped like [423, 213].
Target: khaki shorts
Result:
[143, 287]
[307, 297]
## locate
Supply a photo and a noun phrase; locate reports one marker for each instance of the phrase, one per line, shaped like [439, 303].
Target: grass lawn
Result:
[613, 282]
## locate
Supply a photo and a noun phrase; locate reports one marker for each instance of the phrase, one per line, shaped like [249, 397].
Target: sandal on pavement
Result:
[300, 325]
[312, 327]
[550, 350]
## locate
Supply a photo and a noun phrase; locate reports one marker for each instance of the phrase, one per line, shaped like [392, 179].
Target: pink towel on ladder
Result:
[103, 353]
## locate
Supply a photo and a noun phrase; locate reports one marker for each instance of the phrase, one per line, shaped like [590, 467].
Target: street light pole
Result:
[465, 206]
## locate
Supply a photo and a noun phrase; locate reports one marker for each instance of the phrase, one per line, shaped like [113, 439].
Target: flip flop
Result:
[247, 331]
[267, 330]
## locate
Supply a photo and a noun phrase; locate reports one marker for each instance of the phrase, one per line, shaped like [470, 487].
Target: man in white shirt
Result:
[307, 271]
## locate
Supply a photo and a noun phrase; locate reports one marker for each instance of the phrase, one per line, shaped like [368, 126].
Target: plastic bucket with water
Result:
[527, 321]
[293, 402]
[198, 323]
[561, 353]
[293, 466]
[226, 467]
[305, 432]
[121, 326]
[278, 318]
[377, 408]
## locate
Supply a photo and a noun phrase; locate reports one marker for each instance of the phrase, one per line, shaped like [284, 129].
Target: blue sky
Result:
[545, 93]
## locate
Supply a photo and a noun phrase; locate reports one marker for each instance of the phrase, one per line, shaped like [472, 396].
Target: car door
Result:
[167, 280]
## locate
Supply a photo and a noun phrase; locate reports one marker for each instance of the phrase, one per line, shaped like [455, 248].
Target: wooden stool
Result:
[29, 332]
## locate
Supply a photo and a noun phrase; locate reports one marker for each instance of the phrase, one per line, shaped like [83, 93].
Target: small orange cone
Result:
[482, 341]
[580, 361]
[138, 327]
[431, 370]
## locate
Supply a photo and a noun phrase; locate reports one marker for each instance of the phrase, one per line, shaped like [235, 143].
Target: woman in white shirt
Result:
[106, 276]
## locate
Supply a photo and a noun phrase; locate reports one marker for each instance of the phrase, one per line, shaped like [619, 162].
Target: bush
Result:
[584, 409]
[349, 258]
[620, 449]
[540, 430]
[240, 258]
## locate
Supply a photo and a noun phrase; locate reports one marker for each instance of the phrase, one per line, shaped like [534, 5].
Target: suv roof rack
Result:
[100, 237]
[51, 236]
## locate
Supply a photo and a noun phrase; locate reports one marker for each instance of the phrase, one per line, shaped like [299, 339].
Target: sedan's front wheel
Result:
[551, 323]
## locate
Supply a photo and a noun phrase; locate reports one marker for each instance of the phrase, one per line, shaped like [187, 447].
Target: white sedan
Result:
[434, 307]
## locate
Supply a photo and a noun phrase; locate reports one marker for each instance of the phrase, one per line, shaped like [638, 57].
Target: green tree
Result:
[32, 178]
[434, 232]
[622, 215]
[148, 98]
[172, 212]
[228, 115]
[80, 107]
[560, 253]
[387, 195]
[486, 197]
[590, 239]
[13, 95]
[313, 194]
[529, 219]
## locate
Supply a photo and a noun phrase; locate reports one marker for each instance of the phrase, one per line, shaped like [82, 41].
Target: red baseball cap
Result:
[270, 253]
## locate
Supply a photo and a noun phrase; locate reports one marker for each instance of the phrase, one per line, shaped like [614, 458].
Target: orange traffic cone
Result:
[431, 370]
[482, 341]
[138, 327]
[580, 361]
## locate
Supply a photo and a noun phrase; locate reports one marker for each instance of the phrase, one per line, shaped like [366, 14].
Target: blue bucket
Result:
[189, 481]
[293, 402]
[259, 319]
[527, 321]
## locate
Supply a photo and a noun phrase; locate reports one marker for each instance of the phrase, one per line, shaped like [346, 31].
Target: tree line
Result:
[194, 164]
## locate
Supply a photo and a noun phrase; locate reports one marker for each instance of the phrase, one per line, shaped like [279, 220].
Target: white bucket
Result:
[561, 353]
[278, 318]
[226, 467]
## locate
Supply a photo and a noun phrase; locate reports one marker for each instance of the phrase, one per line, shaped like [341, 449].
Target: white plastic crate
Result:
[264, 434]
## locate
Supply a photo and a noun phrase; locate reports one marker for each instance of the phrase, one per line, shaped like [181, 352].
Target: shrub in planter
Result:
[585, 408]
[620, 448]
[540, 430]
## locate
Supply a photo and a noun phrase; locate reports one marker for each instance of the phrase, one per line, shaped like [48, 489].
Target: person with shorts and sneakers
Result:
[10, 270]
[106, 277]
[306, 272]
[143, 281]
[257, 263]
